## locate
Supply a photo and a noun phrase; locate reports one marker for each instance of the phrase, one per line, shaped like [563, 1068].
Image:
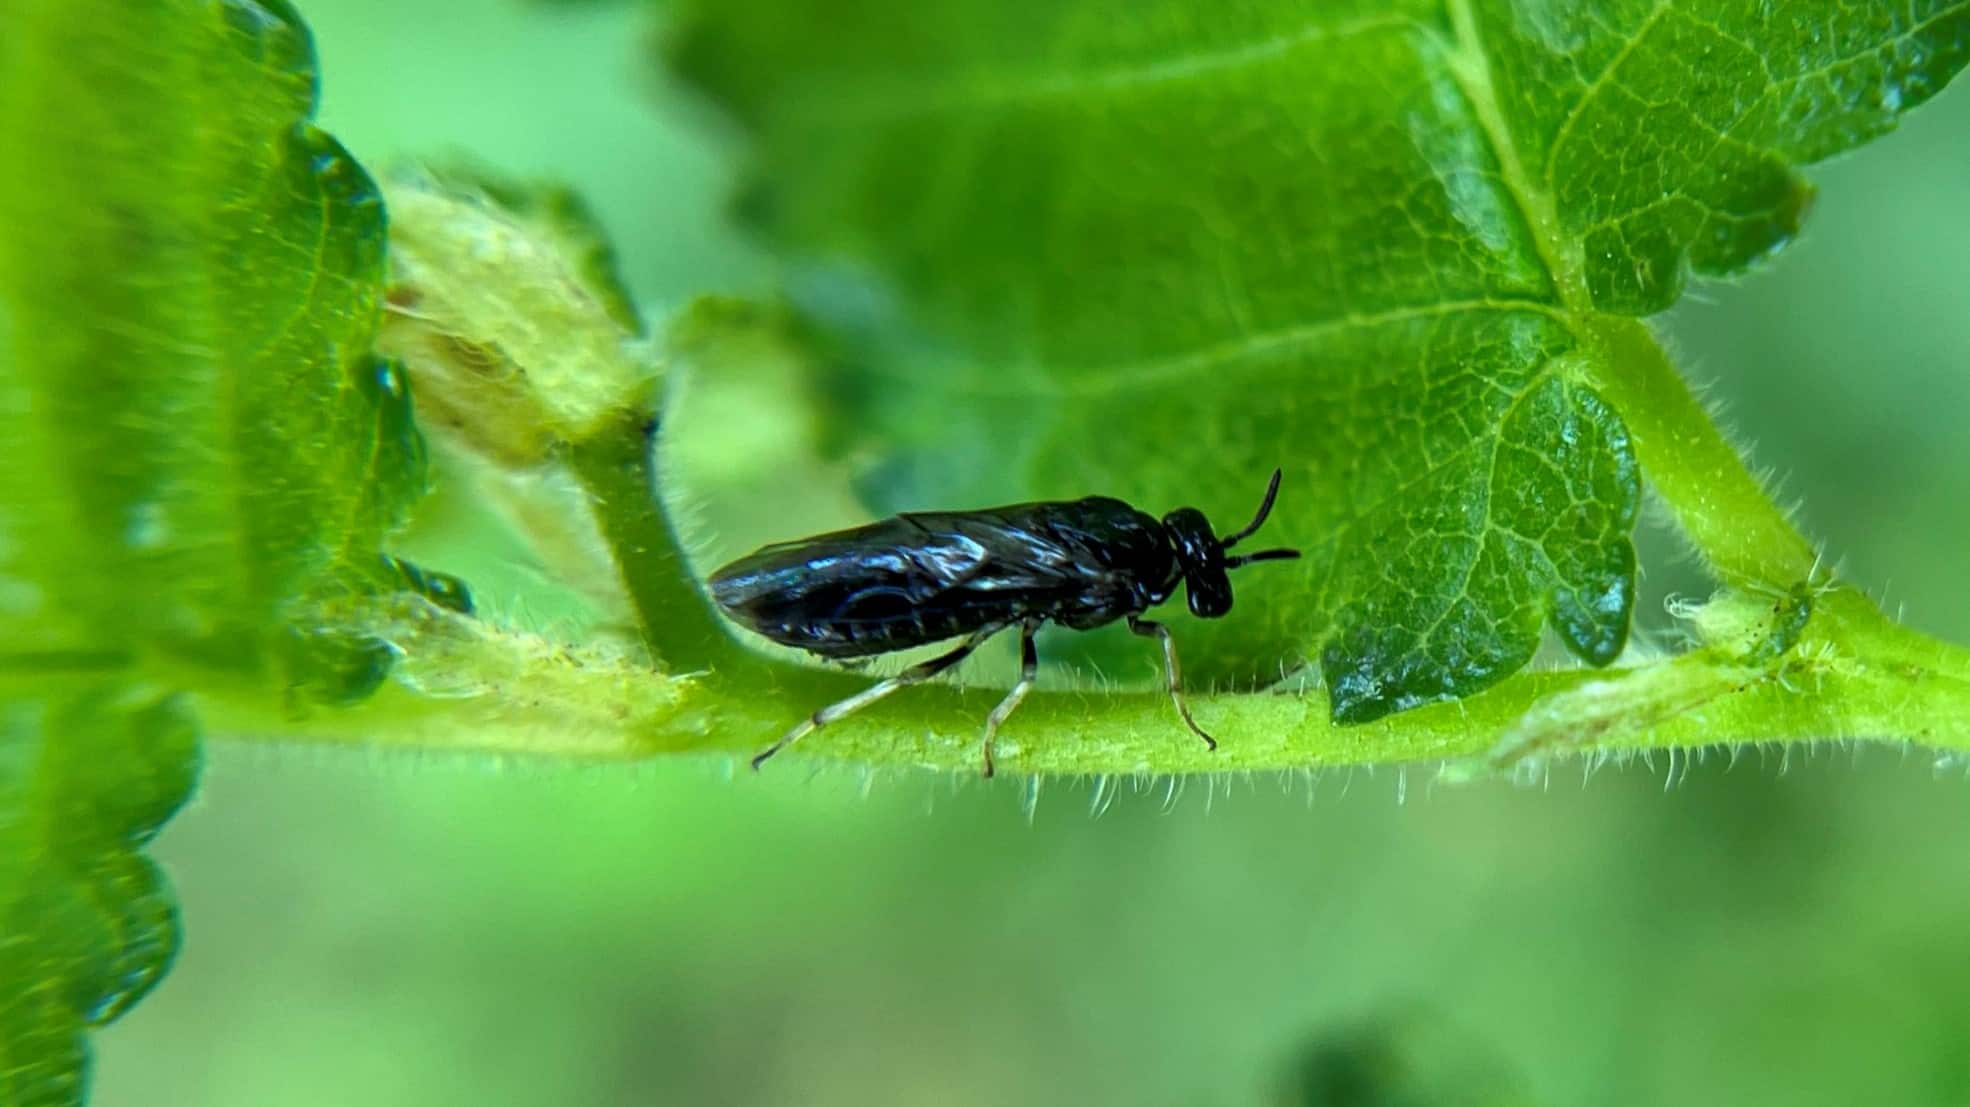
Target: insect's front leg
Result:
[1029, 667]
[1149, 629]
[915, 674]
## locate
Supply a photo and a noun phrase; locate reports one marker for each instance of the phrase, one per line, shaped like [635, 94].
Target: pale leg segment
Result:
[915, 674]
[1149, 629]
[1029, 667]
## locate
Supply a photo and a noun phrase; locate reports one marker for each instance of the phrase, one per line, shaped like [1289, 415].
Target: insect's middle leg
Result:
[1029, 667]
[1149, 629]
[915, 674]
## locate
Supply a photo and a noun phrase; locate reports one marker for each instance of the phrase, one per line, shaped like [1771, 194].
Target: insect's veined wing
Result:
[1038, 552]
[905, 581]
[855, 592]
[894, 553]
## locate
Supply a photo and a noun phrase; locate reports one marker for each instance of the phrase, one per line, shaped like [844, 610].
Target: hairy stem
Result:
[1912, 692]
[1719, 504]
[617, 469]
[1850, 674]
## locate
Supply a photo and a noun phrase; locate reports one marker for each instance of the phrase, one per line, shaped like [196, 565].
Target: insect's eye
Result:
[1209, 595]
[1202, 561]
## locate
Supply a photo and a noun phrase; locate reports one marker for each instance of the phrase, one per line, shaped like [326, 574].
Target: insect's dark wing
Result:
[856, 592]
[920, 578]
[1035, 556]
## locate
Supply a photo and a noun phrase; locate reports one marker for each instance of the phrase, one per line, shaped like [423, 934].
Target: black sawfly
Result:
[925, 577]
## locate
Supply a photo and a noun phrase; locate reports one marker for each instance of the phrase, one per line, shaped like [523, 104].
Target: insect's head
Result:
[1201, 554]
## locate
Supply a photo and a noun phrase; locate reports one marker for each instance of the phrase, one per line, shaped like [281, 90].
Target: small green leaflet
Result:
[1151, 248]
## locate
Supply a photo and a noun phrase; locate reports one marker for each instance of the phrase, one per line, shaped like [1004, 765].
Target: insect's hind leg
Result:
[1029, 667]
[915, 674]
[1149, 629]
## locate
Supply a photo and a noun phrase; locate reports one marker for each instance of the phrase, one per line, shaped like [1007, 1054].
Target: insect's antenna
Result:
[1265, 509]
[1262, 555]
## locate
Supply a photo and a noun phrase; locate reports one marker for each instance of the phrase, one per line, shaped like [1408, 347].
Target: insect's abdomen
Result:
[863, 628]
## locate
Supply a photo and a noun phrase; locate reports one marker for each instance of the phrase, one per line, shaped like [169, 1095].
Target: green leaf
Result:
[87, 775]
[201, 452]
[199, 432]
[1152, 250]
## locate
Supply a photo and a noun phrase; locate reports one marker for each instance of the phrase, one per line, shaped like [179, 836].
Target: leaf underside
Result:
[1154, 249]
[200, 447]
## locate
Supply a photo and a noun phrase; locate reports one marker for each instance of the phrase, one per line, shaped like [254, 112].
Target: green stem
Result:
[1917, 690]
[1724, 510]
[617, 470]
[1851, 674]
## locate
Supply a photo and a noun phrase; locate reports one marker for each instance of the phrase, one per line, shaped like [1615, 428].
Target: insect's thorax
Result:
[1131, 563]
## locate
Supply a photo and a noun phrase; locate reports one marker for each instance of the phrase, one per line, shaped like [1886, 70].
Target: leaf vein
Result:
[993, 90]
[1110, 379]
[1594, 87]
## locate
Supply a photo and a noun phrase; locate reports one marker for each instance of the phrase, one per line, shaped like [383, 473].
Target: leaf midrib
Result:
[1562, 255]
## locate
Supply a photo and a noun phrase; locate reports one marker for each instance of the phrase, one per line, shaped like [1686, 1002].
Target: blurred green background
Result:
[391, 930]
